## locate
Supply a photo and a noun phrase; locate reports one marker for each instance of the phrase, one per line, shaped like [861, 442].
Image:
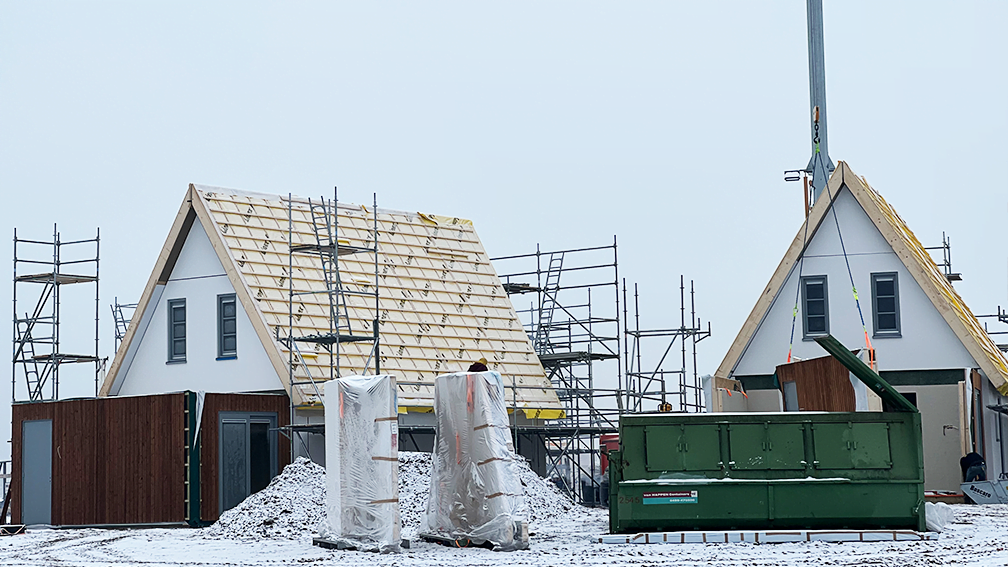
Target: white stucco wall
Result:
[199, 278]
[927, 341]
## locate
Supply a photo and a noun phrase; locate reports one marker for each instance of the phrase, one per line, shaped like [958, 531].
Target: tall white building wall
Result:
[927, 342]
[995, 427]
[198, 277]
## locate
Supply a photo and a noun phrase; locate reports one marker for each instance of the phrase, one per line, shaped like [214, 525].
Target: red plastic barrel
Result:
[608, 442]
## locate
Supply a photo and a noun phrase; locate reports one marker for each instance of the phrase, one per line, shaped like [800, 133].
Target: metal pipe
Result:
[290, 313]
[97, 256]
[823, 166]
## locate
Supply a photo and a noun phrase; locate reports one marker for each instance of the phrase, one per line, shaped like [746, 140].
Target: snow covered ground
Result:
[979, 537]
[274, 527]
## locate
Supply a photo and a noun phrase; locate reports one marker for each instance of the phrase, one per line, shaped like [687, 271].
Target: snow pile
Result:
[414, 485]
[938, 515]
[545, 500]
[289, 508]
[293, 504]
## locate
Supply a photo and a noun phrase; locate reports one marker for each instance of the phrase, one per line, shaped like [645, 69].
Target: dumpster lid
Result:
[1000, 408]
[864, 373]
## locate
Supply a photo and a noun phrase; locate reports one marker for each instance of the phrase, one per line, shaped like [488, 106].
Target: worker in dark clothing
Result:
[973, 468]
[479, 366]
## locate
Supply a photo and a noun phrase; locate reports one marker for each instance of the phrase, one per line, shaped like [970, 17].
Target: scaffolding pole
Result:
[653, 386]
[122, 315]
[324, 248]
[37, 353]
[573, 322]
[997, 333]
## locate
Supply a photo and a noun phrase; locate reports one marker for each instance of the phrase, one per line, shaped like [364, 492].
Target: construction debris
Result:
[293, 504]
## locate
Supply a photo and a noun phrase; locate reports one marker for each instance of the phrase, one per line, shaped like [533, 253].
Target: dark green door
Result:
[767, 446]
[682, 448]
[852, 445]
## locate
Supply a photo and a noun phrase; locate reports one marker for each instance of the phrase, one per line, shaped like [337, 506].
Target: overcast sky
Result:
[667, 124]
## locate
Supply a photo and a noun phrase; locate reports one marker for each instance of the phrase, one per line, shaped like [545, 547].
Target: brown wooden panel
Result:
[115, 460]
[823, 384]
[122, 460]
[212, 406]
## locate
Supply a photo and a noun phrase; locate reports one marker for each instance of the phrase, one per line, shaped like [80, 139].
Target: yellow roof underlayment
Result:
[441, 305]
[913, 255]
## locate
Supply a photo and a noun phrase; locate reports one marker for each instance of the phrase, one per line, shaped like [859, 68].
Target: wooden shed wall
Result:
[122, 460]
[212, 406]
[114, 460]
[823, 384]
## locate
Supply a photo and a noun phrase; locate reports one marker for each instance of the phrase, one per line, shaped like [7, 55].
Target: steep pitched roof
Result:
[441, 304]
[913, 255]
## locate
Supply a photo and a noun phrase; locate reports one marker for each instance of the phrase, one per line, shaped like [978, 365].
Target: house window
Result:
[885, 299]
[815, 299]
[227, 327]
[176, 330]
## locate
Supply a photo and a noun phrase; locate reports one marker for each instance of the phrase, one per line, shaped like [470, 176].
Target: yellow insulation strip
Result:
[962, 312]
[531, 413]
[442, 220]
[544, 413]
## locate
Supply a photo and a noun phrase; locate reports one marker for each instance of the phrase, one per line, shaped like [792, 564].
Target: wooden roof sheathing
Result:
[441, 305]
[913, 255]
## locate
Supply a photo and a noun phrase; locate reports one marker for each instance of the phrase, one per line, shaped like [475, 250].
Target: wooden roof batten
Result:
[911, 253]
[441, 303]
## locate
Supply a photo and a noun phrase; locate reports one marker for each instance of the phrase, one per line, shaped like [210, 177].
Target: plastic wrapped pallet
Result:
[362, 463]
[475, 492]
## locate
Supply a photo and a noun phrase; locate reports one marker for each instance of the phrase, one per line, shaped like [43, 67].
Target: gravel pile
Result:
[293, 504]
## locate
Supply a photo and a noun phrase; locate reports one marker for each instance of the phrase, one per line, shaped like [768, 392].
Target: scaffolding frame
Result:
[1000, 317]
[946, 263]
[571, 335]
[5, 478]
[652, 385]
[122, 316]
[36, 336]
[328, 248]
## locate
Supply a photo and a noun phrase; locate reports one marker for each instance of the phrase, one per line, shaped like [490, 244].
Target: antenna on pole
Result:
[820, 166]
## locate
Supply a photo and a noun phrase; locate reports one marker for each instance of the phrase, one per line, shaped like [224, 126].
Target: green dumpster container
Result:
[791, 470]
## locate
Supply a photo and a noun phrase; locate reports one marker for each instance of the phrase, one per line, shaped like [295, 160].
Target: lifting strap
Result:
[850, 274]
[818, 165]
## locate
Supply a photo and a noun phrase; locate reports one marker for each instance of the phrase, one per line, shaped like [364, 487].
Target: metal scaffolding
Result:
[573, 320]
[997, 333]
[653, 385]
[574, 325]
[37, 355]
[946, 263]
[122, 315]
[327, 248]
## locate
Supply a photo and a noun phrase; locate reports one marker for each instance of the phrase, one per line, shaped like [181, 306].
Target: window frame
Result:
[172, 305]
[222, 353]
[805, 280]
[898, 331]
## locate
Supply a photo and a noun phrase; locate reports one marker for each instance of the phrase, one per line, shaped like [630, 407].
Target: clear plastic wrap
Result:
[475, 491]
[362, 463]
